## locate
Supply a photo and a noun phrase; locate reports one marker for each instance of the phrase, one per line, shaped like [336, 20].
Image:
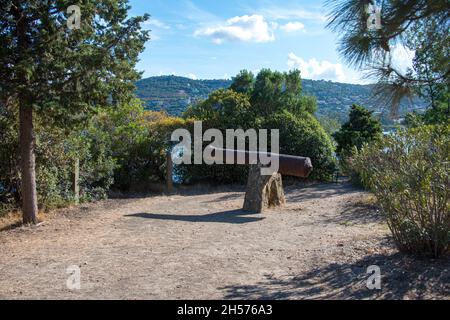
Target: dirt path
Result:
[204, 247]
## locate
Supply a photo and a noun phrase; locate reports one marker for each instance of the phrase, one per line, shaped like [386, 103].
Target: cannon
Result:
[265, 191]
[300, 167]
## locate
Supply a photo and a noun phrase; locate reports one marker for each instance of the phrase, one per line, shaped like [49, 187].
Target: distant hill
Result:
[173, 94]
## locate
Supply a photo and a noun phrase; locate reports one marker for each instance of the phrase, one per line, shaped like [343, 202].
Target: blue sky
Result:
[212, 39]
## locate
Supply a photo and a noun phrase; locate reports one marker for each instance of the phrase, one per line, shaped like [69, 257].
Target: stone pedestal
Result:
[263, 191]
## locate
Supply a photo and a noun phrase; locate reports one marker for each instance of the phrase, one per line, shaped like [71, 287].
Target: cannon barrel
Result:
[288, 165]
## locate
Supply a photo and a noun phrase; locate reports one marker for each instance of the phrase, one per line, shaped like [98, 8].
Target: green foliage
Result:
[175, 94]
[440, 114]
[243, 82]
[9, 165]
[304, 136]
[276, 102]
[409, 174]
[360, 129]
[122, 147]
[419, 25]
[56, 151]
[224, 109]
[147, 163]
[61, 77]
[64, 74]
[275, 91]
[330, 125]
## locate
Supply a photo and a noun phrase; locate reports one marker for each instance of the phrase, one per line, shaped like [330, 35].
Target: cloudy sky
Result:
[215, 39]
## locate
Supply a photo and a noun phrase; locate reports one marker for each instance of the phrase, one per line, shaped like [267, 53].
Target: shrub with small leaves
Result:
[409, 173]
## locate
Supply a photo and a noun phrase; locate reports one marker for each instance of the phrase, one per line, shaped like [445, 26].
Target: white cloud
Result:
[191, 76]
[293, 27]
[245, 28]
[157, 23]
[402, 58]
[317, 70]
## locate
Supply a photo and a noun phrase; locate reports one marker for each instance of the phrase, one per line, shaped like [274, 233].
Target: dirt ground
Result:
[202, 246]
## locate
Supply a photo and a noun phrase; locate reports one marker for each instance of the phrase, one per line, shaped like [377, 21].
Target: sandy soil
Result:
[202, 246]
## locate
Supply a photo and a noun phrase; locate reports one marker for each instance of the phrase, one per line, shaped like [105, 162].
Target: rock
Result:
[263, 191]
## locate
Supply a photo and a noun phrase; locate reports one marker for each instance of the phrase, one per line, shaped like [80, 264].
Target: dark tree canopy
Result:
[419, 25]
[361, 128]
[68, 72]
[60, 73]
[243, 82]
[274, 91]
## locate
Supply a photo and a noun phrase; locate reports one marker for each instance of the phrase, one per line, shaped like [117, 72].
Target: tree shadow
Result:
[361, 213]
[12, 226]
[402, 277]
[231, 216]
[357, 213]
[227, 197]
[319, 191]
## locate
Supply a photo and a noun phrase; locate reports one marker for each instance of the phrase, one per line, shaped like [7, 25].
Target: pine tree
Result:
[419, 25]
[359, 129]
[50, 67]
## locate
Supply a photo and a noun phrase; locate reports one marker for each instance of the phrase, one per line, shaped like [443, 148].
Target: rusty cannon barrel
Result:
[288, 165]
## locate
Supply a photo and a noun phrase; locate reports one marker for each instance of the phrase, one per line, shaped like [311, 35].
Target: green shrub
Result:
[409, 174]
[302, 135]
[361, 128]
[273, 100]
[224, 109]
[56, 151]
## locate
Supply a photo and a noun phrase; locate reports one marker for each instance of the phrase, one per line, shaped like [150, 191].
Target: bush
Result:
[273, 100]
[409, 174]
[361, 128]
[302, 135]
[57, 149]
[224, 109]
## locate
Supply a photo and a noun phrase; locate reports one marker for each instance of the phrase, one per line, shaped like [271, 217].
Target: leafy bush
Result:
[272, 100]
[9, 165]
[409, 174]
[361, 128]
[99, 145]
[304, 136]
[224, 109]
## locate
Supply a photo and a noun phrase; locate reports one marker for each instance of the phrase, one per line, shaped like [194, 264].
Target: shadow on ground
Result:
[402, 277]
[318, 191]
[232, 216]
[227, 197]
[357, 214]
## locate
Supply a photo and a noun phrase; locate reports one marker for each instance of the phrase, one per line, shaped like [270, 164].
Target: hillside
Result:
[173, 94]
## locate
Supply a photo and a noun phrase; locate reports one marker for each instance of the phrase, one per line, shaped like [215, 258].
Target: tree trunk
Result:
[29, 194]
[28, 183]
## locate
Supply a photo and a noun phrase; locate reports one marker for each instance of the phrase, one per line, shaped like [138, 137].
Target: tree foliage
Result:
[63, 75]
[419, 25]
[409, 174]
[243, 82]
[360, 129]
[273, 100]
